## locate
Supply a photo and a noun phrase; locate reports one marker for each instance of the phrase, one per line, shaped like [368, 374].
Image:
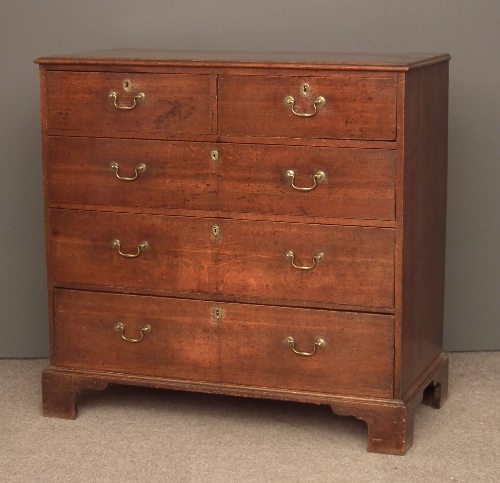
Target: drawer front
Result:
[356, 106]
[179, 257]
[227, 343]
[172, 103]
[325, 182]
[182, 341]
[159, 174]
[356, 358]
[330, 264]
[357, 183]
[357, 267]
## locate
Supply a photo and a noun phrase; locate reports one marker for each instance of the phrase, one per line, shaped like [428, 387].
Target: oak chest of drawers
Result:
[265, 225]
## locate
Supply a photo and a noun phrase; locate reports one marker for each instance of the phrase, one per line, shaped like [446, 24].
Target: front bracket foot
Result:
[60, 389]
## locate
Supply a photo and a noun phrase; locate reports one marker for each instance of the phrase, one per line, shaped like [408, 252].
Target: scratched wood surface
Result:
[172, 104]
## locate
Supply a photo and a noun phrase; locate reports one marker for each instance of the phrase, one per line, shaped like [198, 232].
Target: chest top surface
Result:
[319, 60]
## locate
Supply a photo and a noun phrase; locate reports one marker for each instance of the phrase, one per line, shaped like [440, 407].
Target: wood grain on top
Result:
[299, 60]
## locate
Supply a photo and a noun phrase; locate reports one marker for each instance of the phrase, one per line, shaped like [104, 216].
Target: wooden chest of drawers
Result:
[265, 225]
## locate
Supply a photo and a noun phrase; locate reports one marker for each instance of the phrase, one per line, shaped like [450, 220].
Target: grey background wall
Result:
[468, 29]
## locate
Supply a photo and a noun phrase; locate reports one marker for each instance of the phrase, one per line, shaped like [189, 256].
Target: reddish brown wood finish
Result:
[423, 220]
[180, 257]
[390, 422]
[178, 175]
[183, 341]
[246, 178]
[357, 357]
[358, 106]
[173, 103]
[390, 425]
[360, 183]
[247, 258]
[60, 390]
[358, 266]
[379, 219]
[187, 60]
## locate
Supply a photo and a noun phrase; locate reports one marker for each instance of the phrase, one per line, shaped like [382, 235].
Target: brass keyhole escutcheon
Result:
[217, 313]
[127, 85]
[305, 90]
[216, 230]
[214, 155]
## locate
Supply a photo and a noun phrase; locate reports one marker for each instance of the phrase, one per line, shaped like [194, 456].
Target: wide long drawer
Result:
[116, 104]
[347, 265]
[339, 106]
[249, 178]
[244, 344]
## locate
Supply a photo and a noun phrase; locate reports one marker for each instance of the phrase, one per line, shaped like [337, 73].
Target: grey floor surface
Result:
[127, 434]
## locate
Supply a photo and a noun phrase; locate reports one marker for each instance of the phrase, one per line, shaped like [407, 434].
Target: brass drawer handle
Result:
[318, 102]
[140, 168]
[318, 177]
[145, 329]
[317, 258]
[113, 96]
[142, 247]
[318, 343]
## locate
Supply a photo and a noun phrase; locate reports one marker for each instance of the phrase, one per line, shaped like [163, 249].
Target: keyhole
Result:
[305, 90]
[214, 155]
[127, 85]
[217, 313]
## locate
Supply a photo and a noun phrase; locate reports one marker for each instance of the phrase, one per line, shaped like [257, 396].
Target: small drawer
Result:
[174, 337]
[345, 265]
[349, 353]
[127, 172]
[115, 104]
[341, 106]
[310, 181]
[135, 251]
